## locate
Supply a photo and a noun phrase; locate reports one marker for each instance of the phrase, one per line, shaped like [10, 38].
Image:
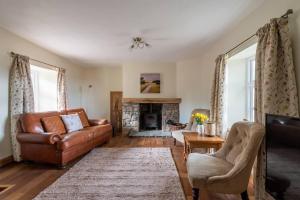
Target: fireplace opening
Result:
[150, 116]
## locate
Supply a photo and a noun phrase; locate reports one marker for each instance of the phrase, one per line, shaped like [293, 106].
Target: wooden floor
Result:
[29, 179]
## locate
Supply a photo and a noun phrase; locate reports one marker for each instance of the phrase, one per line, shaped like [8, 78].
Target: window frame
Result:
[250, 90]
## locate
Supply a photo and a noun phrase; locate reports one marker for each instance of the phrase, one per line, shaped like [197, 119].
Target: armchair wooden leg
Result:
[195, 194]
[174, 142]
[244, 195]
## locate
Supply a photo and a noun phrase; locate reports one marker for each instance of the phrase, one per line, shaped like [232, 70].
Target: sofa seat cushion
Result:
[99, 130]
[53, 124]
[201, 167]
[75, 138]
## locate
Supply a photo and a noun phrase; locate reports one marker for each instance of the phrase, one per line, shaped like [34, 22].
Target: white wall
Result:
[96, 100]
[131, 79]
[193, 86]
[187, 71]
[10, 42]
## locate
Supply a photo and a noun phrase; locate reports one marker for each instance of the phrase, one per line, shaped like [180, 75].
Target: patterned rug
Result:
[153, 133]
[119, 174]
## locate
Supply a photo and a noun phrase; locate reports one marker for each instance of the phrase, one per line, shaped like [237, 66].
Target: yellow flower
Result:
[200, 118]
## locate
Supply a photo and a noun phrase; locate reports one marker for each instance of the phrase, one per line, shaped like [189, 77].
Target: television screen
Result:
[283, 157]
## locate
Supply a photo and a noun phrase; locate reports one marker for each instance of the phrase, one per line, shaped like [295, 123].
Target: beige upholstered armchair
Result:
[178, 134]
[228, 170]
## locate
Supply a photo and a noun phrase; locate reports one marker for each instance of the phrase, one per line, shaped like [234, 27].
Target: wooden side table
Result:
[194, 140]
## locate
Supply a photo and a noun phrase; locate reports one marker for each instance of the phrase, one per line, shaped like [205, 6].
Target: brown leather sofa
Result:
[59, 147]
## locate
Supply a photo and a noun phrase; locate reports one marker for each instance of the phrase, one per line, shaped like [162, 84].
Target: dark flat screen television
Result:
[283, 157]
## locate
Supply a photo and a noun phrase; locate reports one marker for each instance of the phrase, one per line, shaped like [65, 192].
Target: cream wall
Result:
[10, 42]
[188, 71]
[96, 99]
[131, 79]
[193, 86]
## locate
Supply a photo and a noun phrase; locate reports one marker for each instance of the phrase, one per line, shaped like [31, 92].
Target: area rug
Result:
[119, 173]
[153, 133]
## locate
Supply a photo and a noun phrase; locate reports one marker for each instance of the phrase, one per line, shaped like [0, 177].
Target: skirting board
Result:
[6, 160]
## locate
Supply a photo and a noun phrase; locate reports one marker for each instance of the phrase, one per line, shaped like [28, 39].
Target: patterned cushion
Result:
[72, 122]
[53, 124]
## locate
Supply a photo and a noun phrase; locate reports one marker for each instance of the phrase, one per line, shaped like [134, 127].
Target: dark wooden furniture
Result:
[151, 100]
[116, 111]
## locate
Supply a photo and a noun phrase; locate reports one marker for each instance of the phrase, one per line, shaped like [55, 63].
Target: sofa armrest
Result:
[95, 122]
[40, 138]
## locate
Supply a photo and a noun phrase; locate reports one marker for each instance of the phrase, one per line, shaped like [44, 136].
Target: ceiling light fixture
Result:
[138, 42]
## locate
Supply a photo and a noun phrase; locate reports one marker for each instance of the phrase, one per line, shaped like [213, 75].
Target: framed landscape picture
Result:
[150, 83]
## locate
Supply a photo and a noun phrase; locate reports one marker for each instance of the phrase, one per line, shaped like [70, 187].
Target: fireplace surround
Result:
[135, 111]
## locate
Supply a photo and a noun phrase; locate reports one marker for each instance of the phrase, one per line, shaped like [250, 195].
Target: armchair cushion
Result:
[41, 138]
[53, 124]
[201, 167]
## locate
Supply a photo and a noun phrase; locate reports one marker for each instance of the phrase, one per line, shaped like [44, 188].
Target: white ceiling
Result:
[96, 32]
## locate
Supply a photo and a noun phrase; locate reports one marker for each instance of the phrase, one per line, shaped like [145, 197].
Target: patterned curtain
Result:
[275, 86]
[61, 89]
[21, 97]
[217, 95]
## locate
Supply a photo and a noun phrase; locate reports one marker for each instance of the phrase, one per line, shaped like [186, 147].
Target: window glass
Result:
[44, 88]
[239, 87]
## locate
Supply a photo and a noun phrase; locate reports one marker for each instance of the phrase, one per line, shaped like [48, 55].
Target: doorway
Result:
[116, 110]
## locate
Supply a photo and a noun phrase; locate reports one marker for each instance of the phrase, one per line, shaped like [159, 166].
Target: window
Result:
[239, 86]
[250, 88]
[44, 88]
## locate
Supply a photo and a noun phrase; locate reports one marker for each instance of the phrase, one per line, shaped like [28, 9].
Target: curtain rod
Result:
[53, 66]
[285, 15]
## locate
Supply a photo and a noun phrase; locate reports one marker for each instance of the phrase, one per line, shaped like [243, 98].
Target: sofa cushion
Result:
[53, 124]
[75, 138]
[82, 114]
[32, 123]
[84, 119]
[99, 130]
[96, 122]
[201, 167]
[72, 122]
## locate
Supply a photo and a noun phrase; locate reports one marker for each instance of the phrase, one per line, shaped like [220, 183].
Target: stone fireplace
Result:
[149, 114]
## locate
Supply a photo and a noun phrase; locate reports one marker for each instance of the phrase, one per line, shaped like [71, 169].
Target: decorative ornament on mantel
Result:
[138, 42]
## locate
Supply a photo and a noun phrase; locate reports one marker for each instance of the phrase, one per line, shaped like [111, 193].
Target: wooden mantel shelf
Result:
[151, 100]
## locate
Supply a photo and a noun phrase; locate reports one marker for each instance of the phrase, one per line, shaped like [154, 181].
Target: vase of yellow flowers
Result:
[200, 119]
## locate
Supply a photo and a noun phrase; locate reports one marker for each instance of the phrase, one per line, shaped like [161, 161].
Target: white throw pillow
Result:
[72, 122]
